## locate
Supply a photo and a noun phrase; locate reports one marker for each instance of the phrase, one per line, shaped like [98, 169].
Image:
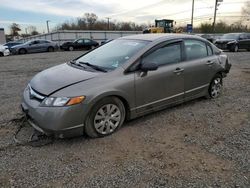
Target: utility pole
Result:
[192, 17]
[108, 21]
[215, 12]
[48, 25]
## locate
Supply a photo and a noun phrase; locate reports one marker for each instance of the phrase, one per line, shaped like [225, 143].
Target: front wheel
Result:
[235, 48]
[51, 49]
[22, 51]
[71, 48]
[105, 117]
[215, 87]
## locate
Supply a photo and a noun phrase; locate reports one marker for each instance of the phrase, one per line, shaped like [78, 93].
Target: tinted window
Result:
[234, 36]
[79, 41]
[44, 41]
[195, 49]
[166, 55]
[209, 50]
[86, 41]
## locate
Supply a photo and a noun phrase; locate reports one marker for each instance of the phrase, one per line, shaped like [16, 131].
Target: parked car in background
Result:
[4, 51]
[79, 44]
[121, 80]
[11, 44]
[34, 46]
[234, 41]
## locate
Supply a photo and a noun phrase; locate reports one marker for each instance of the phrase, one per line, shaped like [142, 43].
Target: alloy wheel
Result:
[107, 119]
[216, 88]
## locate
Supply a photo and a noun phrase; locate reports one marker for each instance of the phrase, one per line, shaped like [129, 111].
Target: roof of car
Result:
[153, 37]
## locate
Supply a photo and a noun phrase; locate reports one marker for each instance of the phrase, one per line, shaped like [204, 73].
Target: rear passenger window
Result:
[166, 55]
[195, 49]
[209, 50]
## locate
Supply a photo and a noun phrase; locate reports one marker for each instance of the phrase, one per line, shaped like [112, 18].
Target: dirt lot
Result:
[202, 143]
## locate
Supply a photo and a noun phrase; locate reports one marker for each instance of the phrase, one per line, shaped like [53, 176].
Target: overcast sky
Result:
[36, 12]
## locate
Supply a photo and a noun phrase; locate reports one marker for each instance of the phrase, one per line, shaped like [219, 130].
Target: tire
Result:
[22, 51]
[248, 49]
[100, 122]
[51, 49]
[1, 54]
[71, 48]
[215, 87]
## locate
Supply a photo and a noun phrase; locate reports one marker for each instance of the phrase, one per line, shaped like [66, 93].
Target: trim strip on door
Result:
[191, 90]
[158, 101]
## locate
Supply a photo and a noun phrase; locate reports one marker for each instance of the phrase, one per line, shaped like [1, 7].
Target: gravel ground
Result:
[202, 143]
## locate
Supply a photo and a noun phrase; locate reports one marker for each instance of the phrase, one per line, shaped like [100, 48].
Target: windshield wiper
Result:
[96, 67]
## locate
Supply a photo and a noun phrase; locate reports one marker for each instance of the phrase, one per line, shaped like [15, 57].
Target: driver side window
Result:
[168, 54]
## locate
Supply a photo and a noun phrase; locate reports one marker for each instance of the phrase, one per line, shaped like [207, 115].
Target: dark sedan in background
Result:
[79, 44]
[234, 41]
[34, 46]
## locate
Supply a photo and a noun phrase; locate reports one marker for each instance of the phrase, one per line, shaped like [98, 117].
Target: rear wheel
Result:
[105, 117]
[215, 87]
[71, 48]
[51, 49]
[1, 54]
[22, 51]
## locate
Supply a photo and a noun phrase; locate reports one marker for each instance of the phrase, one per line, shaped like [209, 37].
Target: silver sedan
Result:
[34, 46]
[121, 80]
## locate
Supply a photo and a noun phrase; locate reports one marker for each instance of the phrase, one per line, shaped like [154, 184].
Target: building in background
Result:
[2, 36]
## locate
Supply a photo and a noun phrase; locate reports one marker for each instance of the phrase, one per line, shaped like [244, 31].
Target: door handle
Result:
[178, 70]
[209, 62]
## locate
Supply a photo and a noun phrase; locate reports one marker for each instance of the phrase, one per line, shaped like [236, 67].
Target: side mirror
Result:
[148, 66]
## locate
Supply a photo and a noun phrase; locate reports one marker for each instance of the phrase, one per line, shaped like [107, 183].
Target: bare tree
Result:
[14, 29]
[91, 18]
[32, 30]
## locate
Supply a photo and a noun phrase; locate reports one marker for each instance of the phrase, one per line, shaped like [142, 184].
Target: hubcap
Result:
[107, 119]
[216, 88]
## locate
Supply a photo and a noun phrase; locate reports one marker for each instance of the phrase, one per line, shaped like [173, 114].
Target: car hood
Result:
[59, 77]
[18, 45]
[224, 40]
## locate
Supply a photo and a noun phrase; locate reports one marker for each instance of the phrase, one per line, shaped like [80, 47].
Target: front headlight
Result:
[61, 101]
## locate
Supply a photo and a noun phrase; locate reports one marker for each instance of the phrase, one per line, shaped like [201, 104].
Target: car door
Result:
[43, 46]
[79, 44]
[159, 88]
[33, 46]
[87, 43]
[198, 67]
[244, 41]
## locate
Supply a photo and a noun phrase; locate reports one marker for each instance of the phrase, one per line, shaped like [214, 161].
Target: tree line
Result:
[90, 21]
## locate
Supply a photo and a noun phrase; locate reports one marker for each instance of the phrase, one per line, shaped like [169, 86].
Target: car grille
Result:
[221, 45]
[35, 95]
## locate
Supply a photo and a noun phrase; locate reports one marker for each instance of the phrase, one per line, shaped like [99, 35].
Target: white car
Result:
[4, 51]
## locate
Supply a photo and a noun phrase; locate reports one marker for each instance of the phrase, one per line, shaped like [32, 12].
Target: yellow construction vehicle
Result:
[161, 26]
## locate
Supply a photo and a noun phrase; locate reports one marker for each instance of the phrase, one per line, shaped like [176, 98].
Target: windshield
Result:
[113, 54]
[230, 36]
